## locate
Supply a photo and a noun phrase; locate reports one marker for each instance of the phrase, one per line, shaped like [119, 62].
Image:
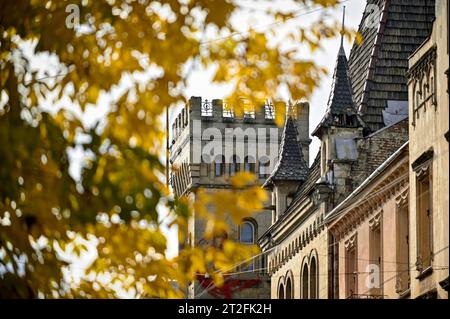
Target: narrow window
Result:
[249, 164]
[305, 280]
[402, 246]
[313, 279]
[264, 164]
[247, 234]
[281, 292]
[219, 166]
[234, 166]
[424, 220]
[375, 258]
[351, 272]
[288, 289]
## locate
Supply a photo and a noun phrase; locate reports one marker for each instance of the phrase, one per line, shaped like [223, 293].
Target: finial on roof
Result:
[341, 49]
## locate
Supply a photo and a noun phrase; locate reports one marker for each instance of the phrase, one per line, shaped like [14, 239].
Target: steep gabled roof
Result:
[378, 66]
[340, 101]
[291, 165]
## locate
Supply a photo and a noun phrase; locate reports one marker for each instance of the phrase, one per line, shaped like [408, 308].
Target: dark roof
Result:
[302, 192]
[341, 100]
[341, 96]
[291, 165]
[378, 66]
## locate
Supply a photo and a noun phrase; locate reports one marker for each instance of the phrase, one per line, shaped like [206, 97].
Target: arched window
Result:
[249, 164]
[264, 165]
[281, 292]
[313, 279]
[288, 289]
[247, 233]
[234, 165]
[219, 166]
[305, 282]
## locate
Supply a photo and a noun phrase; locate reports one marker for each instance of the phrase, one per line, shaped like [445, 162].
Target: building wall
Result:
[196, 126]
[376, 207]
[429, 113]
[308, 240]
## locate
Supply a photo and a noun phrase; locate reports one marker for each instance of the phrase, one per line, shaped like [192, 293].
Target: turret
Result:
[338, 129]
[289, 172]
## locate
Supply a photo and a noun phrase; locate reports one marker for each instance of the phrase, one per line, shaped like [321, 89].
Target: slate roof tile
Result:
[403, 26]
[291, 165]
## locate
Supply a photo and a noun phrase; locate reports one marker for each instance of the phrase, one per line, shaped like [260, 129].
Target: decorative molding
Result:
[403, 198]
[422, 164]
[351, 242]
[374, 223]
[422, 77]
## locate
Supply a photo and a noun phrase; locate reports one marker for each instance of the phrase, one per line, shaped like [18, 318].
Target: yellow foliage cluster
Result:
[44, 212]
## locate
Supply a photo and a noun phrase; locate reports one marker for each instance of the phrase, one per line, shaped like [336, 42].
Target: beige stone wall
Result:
[189, 173]
[376, 208]
[389, 270]
[428, 125]
[293, 252]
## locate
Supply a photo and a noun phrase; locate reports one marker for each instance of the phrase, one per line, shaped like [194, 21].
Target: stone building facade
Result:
[429, 160]
[365, 123]
[208, 145]
[371, 234]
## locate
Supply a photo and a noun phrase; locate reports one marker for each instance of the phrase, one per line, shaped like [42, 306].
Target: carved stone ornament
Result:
[351, 242]
[402, 198]
[374, 222]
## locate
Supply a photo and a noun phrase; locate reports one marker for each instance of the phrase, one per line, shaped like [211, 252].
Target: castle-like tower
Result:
[208, 145]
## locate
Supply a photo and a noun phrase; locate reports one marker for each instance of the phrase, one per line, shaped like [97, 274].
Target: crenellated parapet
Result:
[215, 142]
[219, 111]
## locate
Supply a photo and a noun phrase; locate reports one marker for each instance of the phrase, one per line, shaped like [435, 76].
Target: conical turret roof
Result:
[291, 165]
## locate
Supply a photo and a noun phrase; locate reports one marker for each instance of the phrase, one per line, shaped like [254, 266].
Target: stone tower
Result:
[208, 145]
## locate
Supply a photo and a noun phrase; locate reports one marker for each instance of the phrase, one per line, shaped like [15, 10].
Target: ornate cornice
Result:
[423, 64]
